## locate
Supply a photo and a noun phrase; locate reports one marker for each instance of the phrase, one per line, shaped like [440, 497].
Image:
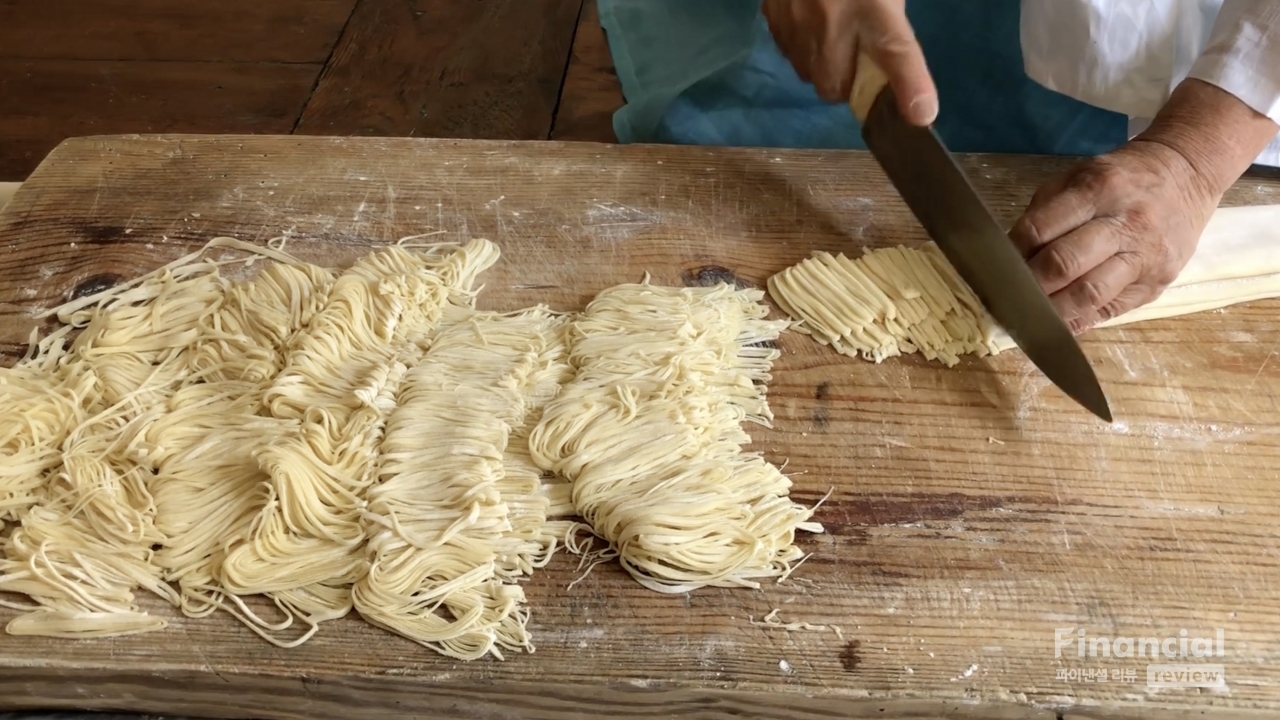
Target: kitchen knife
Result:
[948, 206]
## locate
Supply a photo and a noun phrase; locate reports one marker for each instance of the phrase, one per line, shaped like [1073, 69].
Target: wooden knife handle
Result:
[868, 81]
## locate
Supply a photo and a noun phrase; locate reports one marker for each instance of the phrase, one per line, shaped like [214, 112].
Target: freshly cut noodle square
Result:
[900, 300]
[889, 302]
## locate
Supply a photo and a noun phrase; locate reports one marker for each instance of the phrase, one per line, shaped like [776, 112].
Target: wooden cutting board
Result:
[975, 510]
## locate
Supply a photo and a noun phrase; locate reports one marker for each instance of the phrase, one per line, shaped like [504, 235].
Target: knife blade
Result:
[949, 208]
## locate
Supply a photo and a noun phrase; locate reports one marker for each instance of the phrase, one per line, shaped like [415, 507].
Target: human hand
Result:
[822, 39]
[1116, 230]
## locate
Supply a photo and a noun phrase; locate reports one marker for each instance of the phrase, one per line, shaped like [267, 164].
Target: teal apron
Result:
[707, 72]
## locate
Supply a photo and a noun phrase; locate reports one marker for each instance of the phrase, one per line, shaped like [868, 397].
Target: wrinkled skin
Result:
[1114, 232]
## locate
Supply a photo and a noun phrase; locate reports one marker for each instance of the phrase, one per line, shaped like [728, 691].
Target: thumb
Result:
[887, 38]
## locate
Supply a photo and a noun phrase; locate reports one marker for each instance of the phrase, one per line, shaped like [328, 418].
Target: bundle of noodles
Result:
[649, 433]
[458, 512]
[886, 303]
[338, 384]
[247, 338]
[208, 487]
[531, 500]
[41, 406]
[86, 541]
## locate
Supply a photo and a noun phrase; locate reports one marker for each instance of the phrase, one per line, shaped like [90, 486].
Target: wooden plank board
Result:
[289, 31]
[43, 102]
[591, 92]
[443, 68]
[949, 561]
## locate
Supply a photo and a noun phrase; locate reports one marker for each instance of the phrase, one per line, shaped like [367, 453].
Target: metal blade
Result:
[952, 213]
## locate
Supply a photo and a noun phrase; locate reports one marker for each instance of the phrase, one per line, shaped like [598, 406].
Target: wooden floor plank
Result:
[591, 92]
[43, 102]
[228, 30]
[446, 68]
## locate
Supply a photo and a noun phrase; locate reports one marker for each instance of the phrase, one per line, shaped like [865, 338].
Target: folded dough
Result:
[1237, 261]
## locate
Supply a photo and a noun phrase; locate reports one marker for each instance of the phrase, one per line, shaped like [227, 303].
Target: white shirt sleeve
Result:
[1243, 54]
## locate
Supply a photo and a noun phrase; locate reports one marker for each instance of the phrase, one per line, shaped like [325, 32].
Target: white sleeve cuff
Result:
[1243, 55]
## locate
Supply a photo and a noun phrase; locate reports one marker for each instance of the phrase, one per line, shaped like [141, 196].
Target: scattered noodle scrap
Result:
[772, 621]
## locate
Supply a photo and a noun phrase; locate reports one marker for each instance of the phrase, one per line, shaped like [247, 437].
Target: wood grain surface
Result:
[280, 31]
[43, 102]
[950, 559]
[444, 68]
[591, 91]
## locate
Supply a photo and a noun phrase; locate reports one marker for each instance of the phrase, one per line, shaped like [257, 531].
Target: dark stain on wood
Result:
[821, 417]
[101, 234]
[910, 508]
[95, 285]
[850, 658]
[711, 276]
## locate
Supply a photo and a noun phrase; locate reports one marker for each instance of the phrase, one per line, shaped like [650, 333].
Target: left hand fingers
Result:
[1057, 208]
[1092, 297]
[1130, 298]
[1068, 259]
[1113, 233]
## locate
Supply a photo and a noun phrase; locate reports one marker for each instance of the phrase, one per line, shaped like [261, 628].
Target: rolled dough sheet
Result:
[1239, 242]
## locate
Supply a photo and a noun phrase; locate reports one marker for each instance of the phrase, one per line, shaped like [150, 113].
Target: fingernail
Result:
[923, 110]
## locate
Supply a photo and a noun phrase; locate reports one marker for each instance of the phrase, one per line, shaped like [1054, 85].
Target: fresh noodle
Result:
[458, 515]
[649, 433]
[889, 302]
[339, 384]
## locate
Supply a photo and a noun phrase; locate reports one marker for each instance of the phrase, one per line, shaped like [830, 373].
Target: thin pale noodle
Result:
[457, 515]
[926, 308]
[649, 433]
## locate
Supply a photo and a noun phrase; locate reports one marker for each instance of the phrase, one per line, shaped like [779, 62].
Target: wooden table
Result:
[975, 510]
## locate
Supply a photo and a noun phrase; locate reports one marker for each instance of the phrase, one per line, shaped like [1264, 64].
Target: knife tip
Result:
[1099, 406]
